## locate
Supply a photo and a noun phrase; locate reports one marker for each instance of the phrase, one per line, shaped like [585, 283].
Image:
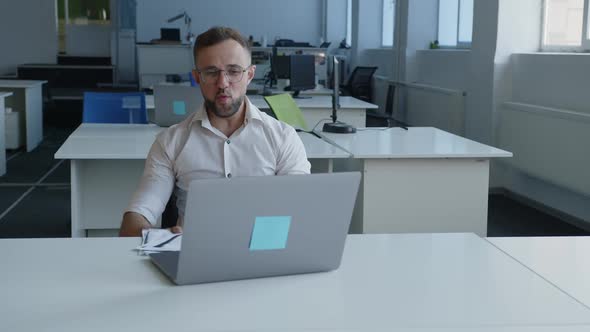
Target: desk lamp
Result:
[336, 126]
[187, 21]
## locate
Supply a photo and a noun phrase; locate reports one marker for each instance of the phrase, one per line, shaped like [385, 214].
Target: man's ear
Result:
[251, 72]
[196, 76]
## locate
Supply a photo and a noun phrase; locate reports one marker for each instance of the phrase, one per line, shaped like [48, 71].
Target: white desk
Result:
[315, 109]
[27, 99]
[419, 180]
[107, 161]
[563, 261]
[417, 282]
[318, 91]
[3, 132]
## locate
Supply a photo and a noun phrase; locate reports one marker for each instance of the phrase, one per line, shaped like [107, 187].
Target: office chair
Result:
[191, 79]
[114, 107]
[385, 119]
[170, 214]
[285, 109]
[359, 83]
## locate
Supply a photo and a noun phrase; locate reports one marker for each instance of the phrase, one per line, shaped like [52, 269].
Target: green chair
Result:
[285, 109]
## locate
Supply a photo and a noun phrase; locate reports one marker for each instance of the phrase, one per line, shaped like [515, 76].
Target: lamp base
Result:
[338, 128]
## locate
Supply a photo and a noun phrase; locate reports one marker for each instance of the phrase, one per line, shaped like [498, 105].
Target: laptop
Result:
[253, 227]
[175, 102]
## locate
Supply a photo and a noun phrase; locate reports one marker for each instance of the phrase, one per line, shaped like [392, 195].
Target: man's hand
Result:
[133, 223]
[176, 229]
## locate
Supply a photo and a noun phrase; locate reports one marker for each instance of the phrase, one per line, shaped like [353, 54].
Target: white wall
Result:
[421, 30]
[558, 81]
[444, 68]
[126, 66]
[516, 33]
[88, 40]
[381, 58]
[28, 33]
[480, 93]
[336, 21]
[298, 20]
[366, 28]
[500, 28]
[552, 80]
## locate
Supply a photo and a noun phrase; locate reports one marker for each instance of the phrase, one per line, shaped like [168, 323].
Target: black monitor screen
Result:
[302, 72]
[171, 34]
[280, 66]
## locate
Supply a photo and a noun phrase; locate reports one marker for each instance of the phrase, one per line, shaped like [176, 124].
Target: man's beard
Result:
[225, 111]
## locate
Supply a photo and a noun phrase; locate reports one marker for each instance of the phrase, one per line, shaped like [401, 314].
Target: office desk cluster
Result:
[419, 180]
[387, 282]
[316, 109]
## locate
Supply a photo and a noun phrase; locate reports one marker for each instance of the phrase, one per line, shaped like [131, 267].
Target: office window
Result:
[83, 12]
[388, 23]
[455, 23]
[80, 12]
[563, 25]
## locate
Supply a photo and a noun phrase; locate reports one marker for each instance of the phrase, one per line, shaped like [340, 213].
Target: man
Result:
[227, 137]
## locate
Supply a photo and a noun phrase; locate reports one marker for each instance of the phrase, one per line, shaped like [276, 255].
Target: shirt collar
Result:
[252, 113]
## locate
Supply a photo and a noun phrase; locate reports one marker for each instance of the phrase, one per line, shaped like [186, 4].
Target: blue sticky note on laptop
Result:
[270, 233]
[179, 107]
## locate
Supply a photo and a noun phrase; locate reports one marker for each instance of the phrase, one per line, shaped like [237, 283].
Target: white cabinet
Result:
[15, 137]
[155, 61]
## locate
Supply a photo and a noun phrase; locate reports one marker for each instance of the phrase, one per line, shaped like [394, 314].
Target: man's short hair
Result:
[216, 35]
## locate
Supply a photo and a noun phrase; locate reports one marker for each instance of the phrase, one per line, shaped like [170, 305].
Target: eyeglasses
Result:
[234, 74]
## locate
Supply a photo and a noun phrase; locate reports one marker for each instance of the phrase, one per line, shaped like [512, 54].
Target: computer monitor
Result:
[301, 73]
[170, 34]
[280, 66]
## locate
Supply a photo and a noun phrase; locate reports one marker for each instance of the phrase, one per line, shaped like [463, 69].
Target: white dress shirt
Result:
[194, 149]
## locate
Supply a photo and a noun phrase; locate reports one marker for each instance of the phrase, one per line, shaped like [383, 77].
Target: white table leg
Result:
[76, 189]
[2, 138]
[34, 116]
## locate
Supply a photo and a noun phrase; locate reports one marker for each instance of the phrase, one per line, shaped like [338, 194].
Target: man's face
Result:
[221, 79]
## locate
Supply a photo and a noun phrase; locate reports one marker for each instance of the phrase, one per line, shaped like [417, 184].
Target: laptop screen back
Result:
[175, 102]
[264, 226]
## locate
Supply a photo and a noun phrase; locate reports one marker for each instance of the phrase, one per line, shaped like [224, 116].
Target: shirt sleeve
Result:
[155, 186]
[292, 156]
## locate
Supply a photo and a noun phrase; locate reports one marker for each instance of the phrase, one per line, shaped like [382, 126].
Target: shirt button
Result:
[228, 141]
[229, 175]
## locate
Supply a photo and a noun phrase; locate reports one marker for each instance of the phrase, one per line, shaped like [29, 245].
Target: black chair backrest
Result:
[359, 83]
[361, 75]
[170, 214]
[390, 99]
